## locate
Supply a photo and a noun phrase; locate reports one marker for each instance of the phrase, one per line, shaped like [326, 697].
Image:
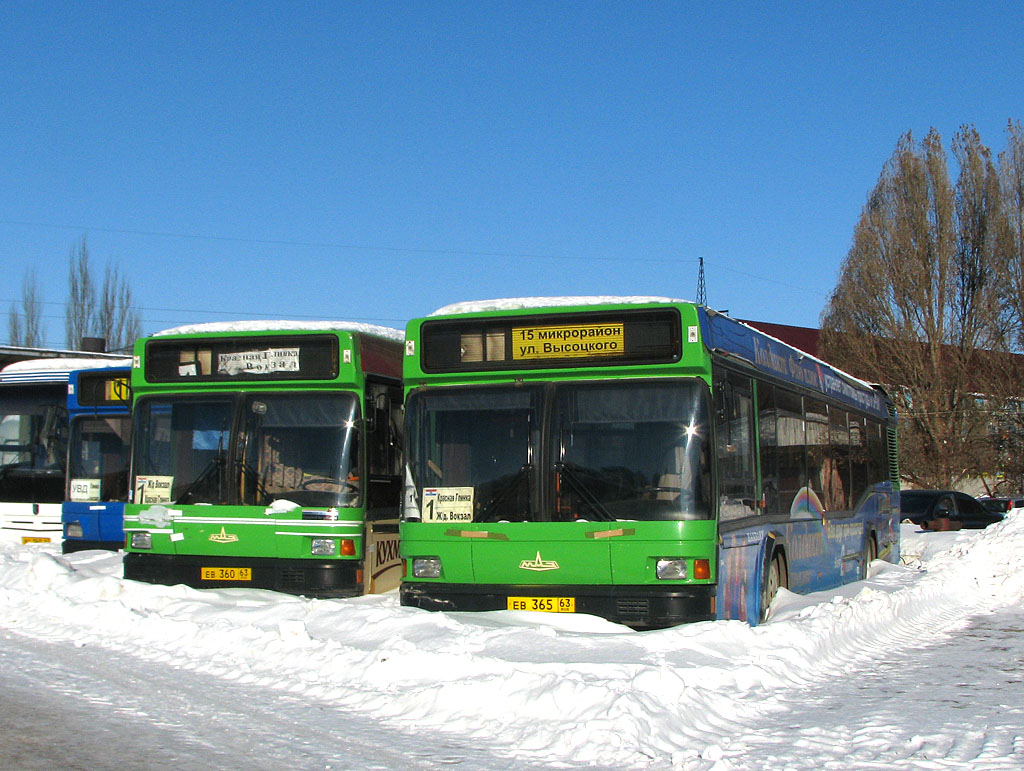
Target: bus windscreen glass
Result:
[619, 451]
[249, 451]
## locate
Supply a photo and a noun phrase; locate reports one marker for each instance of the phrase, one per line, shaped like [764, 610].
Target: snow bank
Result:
[551, 689]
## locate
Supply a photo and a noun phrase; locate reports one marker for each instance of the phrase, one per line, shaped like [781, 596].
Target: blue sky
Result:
[374, 161]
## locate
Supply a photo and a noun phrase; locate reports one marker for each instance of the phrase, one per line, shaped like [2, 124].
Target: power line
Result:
[234, 314]
[336, 245]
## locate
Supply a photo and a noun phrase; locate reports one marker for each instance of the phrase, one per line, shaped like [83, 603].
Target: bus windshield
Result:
[33, 433]
[98, 458]
[631, 451]
[622, 450]
[484, 439]
[249, 450]
[33, 448]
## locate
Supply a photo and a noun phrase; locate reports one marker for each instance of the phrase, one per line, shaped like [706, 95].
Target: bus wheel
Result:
[870, 554]
[773, 580]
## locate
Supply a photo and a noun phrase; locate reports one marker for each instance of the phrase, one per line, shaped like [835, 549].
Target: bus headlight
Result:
[142, 540]
[322, 547]
[426, 567]
[671, 569]
[74, 530]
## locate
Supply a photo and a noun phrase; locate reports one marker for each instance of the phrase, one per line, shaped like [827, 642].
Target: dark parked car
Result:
[921, 506]
[1002, 505]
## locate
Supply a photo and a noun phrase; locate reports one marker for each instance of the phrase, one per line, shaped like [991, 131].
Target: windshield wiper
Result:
[247, 469]
[571, 474]
[217, 462]
[490, 511]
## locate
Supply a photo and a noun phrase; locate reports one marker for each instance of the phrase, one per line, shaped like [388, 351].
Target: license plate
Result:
[225, 574]
[34, 539]
[543, 604]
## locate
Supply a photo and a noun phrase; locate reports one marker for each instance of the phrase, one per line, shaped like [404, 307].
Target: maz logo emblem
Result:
[538, 564]
[223, 537]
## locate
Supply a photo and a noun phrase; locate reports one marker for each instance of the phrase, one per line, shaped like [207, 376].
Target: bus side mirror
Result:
[376, 405]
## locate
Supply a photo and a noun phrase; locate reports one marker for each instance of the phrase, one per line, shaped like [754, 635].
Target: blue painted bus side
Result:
[817, 548]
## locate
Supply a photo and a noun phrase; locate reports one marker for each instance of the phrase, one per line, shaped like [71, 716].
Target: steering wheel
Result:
[345, 485]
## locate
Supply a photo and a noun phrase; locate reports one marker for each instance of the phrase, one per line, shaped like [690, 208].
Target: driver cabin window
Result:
[735, 446]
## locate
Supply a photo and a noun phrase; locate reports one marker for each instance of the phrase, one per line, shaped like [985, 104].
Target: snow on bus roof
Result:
[516, 303]
[64, 364]
[277, 325]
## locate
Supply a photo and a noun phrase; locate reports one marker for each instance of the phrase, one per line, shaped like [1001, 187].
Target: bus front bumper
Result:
[313, 578]
[639, 607]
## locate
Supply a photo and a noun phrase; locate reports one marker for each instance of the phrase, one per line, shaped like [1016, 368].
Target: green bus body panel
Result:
[550, 553]
[242, 531]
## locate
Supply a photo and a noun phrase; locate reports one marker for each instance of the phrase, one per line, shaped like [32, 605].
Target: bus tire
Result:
[774, 579]
[870, 554]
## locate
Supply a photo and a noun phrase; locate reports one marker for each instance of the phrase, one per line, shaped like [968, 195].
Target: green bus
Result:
[267, 455]
[646, 460]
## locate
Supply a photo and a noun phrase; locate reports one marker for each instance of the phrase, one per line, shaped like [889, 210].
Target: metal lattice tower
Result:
[702, 292]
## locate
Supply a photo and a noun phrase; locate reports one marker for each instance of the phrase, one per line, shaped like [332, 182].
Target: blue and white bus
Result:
[99, 412]
[33, 445]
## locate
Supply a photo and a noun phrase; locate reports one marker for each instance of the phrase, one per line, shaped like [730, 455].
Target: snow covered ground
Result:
[921, 666]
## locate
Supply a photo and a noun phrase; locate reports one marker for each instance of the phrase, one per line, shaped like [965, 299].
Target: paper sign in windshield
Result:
[258, 362]
[447, 504]
[153, 489]
[85, 490]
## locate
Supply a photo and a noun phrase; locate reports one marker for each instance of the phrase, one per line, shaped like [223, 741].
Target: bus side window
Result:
[734, 415]
[768, 446]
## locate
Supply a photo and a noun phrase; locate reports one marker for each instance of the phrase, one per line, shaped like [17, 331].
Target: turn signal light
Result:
[348, 547]
[702, 569]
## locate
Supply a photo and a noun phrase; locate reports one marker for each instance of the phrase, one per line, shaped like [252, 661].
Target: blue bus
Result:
[99, 413]
[646, 460]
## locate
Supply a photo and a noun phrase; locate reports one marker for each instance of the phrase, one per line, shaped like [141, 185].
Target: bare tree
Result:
[1010, 447]
[917, 303]
[79, 319]
[14, 326]
[118, 320]
[1011, 177]
[26, 328]
[114, 318]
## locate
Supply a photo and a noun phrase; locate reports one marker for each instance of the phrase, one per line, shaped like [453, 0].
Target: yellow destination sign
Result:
[568, 342]
[116, 390]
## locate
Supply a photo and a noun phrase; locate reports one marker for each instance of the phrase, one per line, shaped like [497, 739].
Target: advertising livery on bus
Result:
[267, 454]
[645, 460]
[98, 445]
[34, 444]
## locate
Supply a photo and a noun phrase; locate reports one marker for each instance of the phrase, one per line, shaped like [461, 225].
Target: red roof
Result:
[804, 338]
